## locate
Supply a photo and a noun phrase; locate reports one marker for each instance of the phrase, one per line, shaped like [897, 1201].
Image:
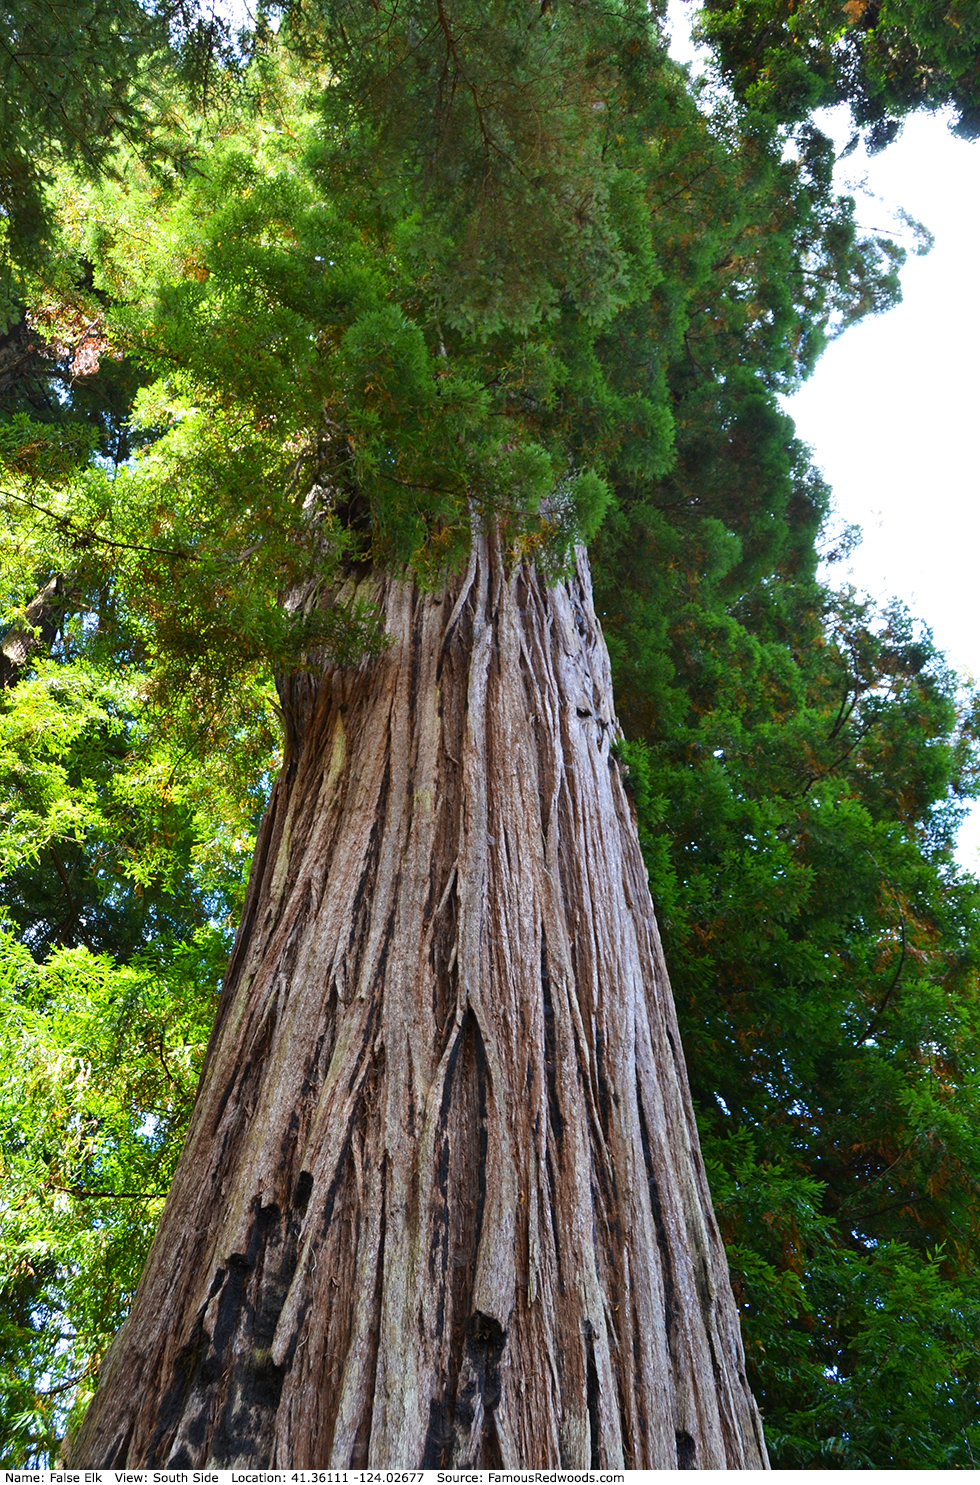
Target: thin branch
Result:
[64, 1386]
[488, 141]
[103, 1193]
[89, 537]
[59, 867]
[166, 1066]
[875, 1019]
[844, 713]
[825, 773]
[49, 102]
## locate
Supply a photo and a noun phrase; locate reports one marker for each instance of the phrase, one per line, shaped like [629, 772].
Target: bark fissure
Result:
[441, 1202]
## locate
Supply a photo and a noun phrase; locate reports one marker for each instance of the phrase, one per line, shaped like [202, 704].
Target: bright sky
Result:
[892, 412]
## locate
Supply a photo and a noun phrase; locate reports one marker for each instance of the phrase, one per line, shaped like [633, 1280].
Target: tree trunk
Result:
[441, 1201]
[36, 631]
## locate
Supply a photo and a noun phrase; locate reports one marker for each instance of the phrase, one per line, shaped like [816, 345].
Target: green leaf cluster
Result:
[126, 837]
[98, 1065]
[883, 58]
[433, 264]
[799, 764]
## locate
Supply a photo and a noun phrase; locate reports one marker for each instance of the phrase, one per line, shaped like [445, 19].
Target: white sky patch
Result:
[682, 48]
[237, 13]
[892, 412]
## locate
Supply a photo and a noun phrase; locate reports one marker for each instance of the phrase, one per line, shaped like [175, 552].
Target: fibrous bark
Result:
[441, 1201]
[36, 631]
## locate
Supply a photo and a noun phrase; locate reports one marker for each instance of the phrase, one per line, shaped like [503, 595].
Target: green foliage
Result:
[64, 89]
[331, 390]
[126, 837]
[798, 764]
[863, 1358]
[884, 58]
[71, 85]
[480, 134]
[427, 266]
[121, 825]
[98, 1066]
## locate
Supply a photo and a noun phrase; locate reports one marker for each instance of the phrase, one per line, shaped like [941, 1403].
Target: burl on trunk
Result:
[441, 1201]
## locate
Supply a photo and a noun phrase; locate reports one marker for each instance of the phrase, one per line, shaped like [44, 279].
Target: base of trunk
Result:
[441, 1201]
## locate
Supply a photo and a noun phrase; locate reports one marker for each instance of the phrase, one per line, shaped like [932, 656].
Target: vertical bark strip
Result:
[441, 1201]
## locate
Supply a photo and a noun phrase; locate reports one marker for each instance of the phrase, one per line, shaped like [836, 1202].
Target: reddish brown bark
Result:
[441, 1201]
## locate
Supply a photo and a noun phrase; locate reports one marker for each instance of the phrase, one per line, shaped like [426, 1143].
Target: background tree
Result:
[126, 840]
[884, 58]
[798, 798]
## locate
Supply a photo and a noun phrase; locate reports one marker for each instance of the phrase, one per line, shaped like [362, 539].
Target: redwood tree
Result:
[441, 1200]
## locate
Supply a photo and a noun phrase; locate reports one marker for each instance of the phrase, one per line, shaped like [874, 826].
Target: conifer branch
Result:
[86, 536]
[84, 1193]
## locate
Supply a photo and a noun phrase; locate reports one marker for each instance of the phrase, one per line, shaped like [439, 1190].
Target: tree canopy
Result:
[883, 58]
[283, 308]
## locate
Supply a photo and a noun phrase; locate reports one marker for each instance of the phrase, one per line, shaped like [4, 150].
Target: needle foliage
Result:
[312, 304]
